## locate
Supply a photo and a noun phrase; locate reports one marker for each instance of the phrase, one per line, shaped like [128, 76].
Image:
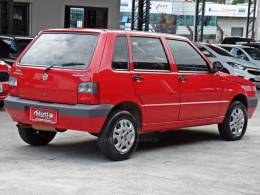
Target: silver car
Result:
[232, 65]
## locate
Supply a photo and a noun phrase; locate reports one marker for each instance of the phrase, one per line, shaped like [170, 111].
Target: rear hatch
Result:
[54, 65]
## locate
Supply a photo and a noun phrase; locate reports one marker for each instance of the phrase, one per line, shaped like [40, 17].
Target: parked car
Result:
[235, 40]
[118, 84]
[4, 77]
[11, 47]
[249, 54]
[251, 44]
[231, 65]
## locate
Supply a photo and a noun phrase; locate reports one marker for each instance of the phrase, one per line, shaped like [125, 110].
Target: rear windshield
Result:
[56, 49]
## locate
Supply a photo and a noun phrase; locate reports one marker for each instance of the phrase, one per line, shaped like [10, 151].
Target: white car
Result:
[231, 65]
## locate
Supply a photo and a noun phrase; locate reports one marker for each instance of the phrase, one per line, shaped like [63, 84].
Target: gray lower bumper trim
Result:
[79, 110]
[252, 101]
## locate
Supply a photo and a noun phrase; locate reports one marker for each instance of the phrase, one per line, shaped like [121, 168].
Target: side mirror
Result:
[217, 66]
[207, 54]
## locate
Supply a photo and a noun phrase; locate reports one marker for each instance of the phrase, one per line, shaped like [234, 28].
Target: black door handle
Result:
[137, 78]
[182, 78]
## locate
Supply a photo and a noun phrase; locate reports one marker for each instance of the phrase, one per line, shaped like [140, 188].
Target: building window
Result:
[20, 23]
[237, 31]
[86, 17]
[21, 19]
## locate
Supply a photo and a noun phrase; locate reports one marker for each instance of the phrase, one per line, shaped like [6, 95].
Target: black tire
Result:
[34, 137]
[1, 104]
[107, 142]
[225, 130]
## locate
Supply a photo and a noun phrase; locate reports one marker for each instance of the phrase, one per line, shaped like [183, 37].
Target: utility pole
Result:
[250, 28]
[258, 22]
[140, 15]
[199, 20]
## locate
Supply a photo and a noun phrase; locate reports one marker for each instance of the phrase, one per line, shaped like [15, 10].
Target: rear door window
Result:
[73, 50]
[149, 54]
[121, 56]
[186, 57]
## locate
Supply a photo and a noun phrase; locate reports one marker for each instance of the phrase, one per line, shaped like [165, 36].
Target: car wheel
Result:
[119, 136]
[35, 137]
[1, 105]
[235, 123]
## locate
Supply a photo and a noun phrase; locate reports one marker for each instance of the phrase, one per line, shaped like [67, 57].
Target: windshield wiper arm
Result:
[49, 67]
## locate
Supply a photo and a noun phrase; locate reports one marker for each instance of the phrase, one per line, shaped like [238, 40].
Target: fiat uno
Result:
[117, 85]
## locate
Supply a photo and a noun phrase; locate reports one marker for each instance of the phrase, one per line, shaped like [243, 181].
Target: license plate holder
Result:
[43, 115]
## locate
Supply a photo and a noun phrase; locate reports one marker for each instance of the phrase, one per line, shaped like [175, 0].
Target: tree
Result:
[234, 2]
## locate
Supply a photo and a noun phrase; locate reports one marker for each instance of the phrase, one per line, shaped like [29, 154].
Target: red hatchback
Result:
[4, 77]
[118, 84]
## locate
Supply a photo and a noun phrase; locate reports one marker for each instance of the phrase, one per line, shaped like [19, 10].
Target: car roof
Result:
[234, 46]
[137, 33]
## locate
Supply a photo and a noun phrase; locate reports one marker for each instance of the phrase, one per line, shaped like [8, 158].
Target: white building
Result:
[31, 16]
[226, 18]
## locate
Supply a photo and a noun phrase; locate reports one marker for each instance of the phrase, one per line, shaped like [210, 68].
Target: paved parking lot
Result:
[190, 161]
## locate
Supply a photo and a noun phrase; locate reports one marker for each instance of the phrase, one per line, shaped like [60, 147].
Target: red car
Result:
[117, 85]
[4, 76]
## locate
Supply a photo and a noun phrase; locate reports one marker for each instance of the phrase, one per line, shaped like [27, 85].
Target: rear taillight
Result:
[88, 93]
[13, 86]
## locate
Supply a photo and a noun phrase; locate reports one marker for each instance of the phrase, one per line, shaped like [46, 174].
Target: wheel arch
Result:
[242, 98]
[131, 107]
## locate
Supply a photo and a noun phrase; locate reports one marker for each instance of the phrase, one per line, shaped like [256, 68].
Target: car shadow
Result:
[176, 138]
[88, 149]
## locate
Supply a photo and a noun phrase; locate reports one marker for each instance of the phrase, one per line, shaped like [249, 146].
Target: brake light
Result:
[88, 93]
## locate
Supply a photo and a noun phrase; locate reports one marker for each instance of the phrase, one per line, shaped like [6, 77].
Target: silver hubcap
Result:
[237, 121]
[124, 136]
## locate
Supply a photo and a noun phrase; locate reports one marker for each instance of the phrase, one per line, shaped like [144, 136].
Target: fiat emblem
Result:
[45, 77]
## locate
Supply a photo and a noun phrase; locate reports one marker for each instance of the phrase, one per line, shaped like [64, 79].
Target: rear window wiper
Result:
[63, 65]
[73, 64]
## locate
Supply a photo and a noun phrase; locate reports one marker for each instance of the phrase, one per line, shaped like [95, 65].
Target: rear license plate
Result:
[1, 88]
[43, 115]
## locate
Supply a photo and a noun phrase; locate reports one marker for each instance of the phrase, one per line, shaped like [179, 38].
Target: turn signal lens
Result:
[89, 87]
[88, 93]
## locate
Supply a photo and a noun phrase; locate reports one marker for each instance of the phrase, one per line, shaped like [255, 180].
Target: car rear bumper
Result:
[82, 117]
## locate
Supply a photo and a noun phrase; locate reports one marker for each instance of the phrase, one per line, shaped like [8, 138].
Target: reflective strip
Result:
[185, 103]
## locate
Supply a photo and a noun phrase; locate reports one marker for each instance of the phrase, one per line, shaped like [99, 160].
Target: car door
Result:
[200, 89]
[155, 84]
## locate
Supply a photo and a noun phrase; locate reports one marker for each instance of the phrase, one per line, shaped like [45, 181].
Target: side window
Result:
[186, 57]
[206, 52]
[149, 54]
[121, 56]
[238, 54]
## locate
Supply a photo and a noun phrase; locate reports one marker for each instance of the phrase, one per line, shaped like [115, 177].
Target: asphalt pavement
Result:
[188, 161]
